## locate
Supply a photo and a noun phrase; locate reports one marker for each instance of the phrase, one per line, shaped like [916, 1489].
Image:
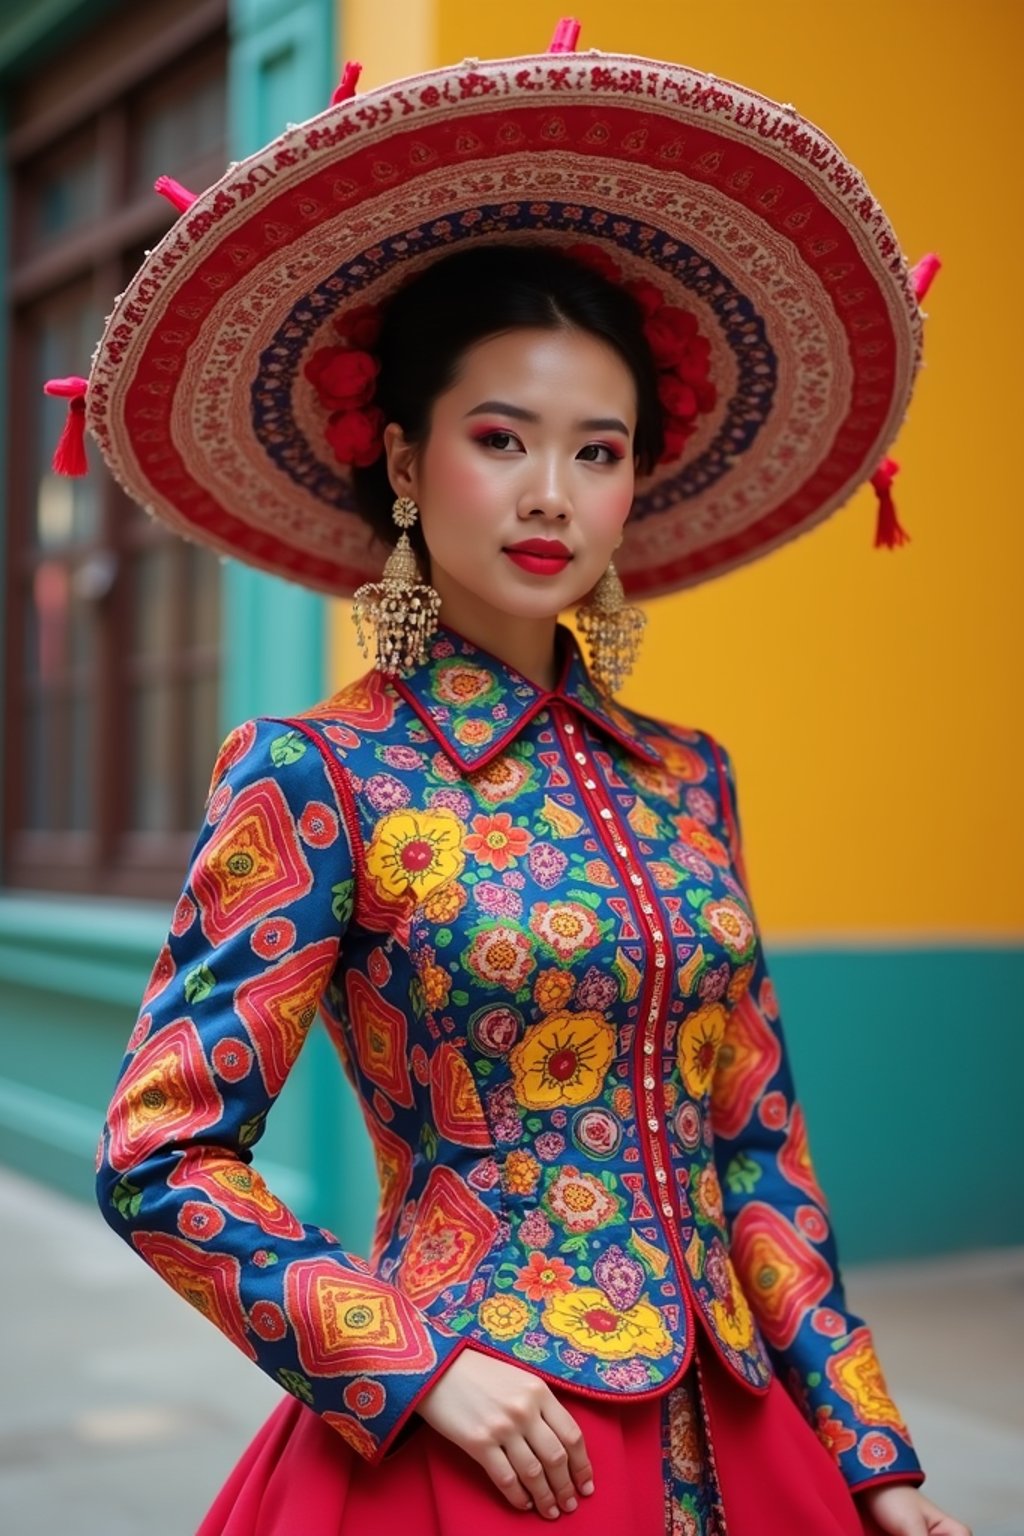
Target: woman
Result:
[603, 1280]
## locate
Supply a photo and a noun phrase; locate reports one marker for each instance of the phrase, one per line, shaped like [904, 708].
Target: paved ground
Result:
[121, 1409]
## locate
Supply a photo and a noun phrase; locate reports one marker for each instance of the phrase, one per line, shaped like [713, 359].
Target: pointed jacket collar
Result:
[474, 704]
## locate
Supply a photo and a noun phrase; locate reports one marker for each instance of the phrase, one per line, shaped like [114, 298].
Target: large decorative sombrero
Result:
[778, 300]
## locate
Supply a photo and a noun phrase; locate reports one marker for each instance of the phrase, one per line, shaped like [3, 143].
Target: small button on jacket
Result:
[523, 918]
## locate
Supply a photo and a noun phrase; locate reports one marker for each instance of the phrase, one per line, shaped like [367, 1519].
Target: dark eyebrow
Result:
[592, 424]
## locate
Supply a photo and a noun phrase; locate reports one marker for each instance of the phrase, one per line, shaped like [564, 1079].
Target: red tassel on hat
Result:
[888, 532]
[346, 87]
[566, 34]
[178, 196]
[69, 456]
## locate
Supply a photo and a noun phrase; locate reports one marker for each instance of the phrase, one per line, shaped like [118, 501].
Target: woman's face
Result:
[533, 441]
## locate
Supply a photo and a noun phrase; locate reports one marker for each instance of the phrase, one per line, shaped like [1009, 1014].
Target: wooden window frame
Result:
[105, 860]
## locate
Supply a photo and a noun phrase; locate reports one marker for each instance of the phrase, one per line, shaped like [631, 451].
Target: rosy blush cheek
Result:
[457, 475]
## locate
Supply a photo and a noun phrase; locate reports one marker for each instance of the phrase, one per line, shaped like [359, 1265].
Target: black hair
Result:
[477, 292]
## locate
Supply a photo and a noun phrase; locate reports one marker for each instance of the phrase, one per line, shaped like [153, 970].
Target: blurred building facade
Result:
[864, 695]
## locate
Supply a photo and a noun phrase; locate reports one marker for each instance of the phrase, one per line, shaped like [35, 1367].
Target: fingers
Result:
[571, 1436]
[503, 1475]
[510, 1422]
[542, 1465]
[530, 1463]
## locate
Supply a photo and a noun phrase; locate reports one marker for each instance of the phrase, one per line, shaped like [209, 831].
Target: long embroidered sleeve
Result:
[781, 1237]
[254, 940]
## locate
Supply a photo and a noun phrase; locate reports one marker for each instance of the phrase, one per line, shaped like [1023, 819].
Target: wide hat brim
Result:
[735, 207]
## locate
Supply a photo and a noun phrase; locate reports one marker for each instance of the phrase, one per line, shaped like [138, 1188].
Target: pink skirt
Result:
[768, 1473]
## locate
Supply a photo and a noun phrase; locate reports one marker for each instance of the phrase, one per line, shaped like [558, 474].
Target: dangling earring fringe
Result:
[402, 608]
[613, 630]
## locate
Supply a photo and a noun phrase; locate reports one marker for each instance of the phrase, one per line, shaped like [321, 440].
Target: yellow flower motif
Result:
[562, 1060]
[698, 1045]
[445, 904]
[734, 1321]
[437, 983]
[520, 1173]
[504, 1316]
[588, 1320]
[553, 989]
[414, 852]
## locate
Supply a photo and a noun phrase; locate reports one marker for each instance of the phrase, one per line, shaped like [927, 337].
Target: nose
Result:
[546, 495]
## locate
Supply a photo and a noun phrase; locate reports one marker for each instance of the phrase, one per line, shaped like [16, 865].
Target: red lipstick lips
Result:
[550, 547]
[542, 557]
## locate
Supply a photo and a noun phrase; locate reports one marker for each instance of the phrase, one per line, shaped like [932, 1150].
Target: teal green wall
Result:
[911, 1066]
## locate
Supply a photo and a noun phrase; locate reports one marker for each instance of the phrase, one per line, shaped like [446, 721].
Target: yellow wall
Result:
[869, 698]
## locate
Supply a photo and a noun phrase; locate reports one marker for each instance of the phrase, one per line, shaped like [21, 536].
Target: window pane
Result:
[38, 758]
[153, 595]
[186, 128]
[60, 654]
[202, 584]
[79, 766]
[205, 738]
[62, 192]
[154, 759]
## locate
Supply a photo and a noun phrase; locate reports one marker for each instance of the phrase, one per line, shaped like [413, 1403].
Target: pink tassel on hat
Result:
[566, 34]
[178, 196]
[69, 456]
[923, 273]
[889, 534]
[346, 87]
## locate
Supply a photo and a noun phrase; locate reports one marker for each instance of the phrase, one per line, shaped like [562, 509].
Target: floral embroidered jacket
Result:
[523, 918]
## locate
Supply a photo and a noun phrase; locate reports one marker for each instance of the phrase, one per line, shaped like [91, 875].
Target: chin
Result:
[537, 605]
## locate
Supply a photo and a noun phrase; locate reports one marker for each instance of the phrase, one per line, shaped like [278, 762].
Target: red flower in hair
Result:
[356, 437]
[707, 395]
[677, 435]
[344, 379]
[693, 360]
[360, 327]
[646, 295]
[667, 331]
[596, 258]
[678, 397]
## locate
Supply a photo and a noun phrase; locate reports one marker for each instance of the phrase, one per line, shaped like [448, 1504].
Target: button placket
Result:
[650, 1112]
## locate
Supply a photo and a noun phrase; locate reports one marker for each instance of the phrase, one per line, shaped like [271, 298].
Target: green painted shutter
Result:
[281, 69]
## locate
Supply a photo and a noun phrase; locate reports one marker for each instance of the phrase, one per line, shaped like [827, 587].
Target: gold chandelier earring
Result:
[613, 630]
[401, 607]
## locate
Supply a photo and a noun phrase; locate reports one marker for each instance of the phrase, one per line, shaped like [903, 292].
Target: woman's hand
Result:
[900, 1510]
[510, 1421]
